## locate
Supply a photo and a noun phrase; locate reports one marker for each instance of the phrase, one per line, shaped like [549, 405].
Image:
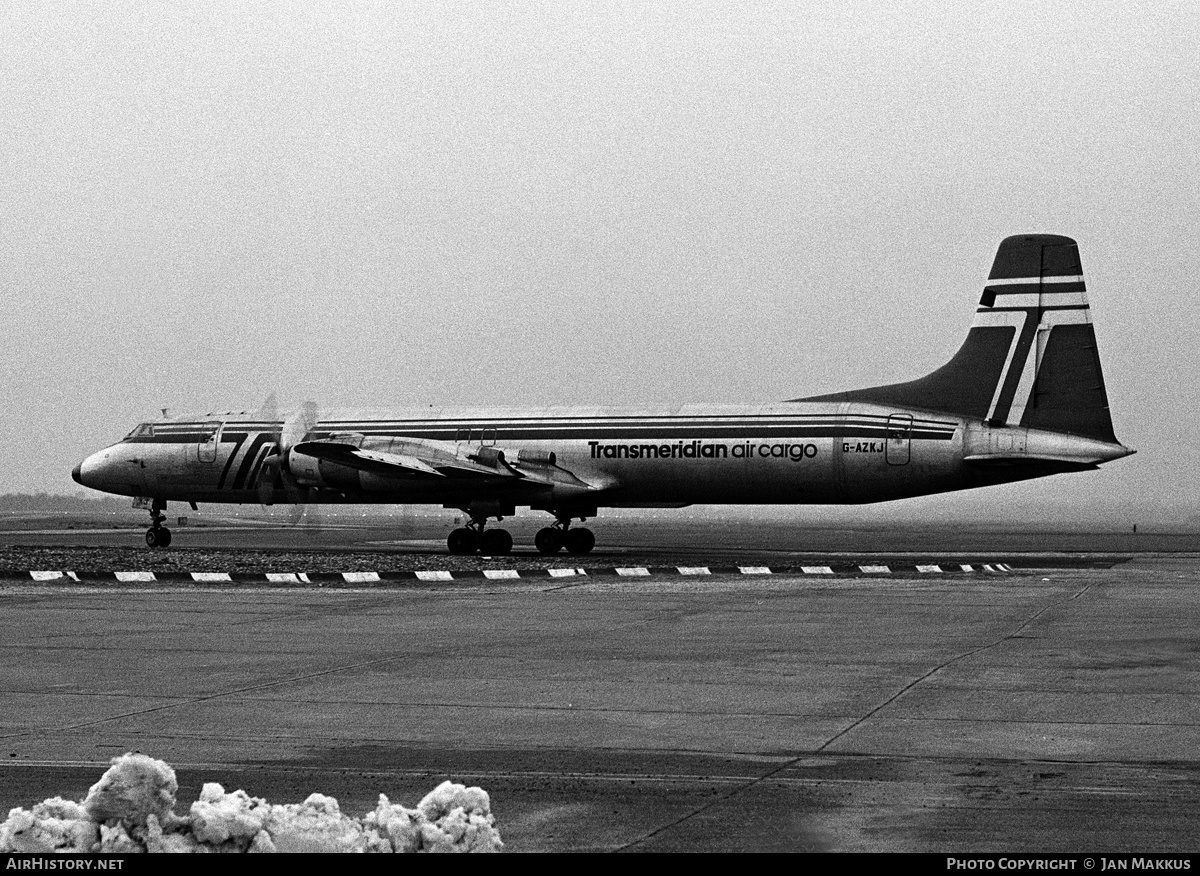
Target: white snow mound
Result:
[131, 809]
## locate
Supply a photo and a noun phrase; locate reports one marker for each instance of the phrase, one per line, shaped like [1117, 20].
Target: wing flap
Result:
[427, 459]
[373, 461]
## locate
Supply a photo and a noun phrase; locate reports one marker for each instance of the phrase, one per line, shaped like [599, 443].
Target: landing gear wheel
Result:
[496, 542]
[579, 541]
[462, 541]
[548, 540]
[158, 536]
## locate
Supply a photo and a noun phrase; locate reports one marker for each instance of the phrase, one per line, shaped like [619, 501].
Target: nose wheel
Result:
[158, 536]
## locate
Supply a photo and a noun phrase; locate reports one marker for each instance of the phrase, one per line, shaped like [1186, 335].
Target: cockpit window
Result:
[143, 430]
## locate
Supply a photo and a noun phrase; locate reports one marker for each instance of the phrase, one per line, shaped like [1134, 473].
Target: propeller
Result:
[275, 466]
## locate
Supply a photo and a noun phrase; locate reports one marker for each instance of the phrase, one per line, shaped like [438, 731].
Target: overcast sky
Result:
[390, 204]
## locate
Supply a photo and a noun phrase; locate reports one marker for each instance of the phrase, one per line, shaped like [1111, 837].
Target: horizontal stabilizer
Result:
[1039, 446]
[1001, 459]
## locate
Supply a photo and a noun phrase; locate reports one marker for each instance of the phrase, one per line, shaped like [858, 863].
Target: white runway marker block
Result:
[135, 576]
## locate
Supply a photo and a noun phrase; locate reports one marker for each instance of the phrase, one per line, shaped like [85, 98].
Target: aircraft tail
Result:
[1030, 357]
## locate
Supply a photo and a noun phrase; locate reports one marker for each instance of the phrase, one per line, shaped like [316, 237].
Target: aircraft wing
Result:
[420, 458]
[385, 463]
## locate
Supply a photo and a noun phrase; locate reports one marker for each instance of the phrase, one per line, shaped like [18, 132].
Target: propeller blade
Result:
[269, 409]
[274, 469]
[266, 479]
[296, 427]
[293, 431]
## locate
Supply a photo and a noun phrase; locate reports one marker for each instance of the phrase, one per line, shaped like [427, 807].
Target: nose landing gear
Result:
[158, 535]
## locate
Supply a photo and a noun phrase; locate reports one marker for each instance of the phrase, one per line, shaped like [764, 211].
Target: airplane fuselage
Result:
[786, 453]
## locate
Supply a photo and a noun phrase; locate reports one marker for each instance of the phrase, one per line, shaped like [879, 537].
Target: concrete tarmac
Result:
[1052, 711]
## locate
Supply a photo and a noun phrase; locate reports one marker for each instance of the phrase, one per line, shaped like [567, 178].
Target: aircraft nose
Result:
[97, 471]
[115, 469]
[89, 473]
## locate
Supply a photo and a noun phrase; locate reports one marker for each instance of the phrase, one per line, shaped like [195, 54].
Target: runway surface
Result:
[672, 536]
[1052, 710]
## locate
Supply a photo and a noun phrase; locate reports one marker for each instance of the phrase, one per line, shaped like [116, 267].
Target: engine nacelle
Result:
[536, 457]
[492, 457]
[308, 471]
[498, 458]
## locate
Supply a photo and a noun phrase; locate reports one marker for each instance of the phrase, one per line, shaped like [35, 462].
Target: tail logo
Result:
[1031, 307]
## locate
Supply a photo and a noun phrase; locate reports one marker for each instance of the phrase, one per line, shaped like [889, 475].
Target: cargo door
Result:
[210, 437]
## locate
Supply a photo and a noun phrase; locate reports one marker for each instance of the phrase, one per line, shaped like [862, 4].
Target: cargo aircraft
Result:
[1022, 398]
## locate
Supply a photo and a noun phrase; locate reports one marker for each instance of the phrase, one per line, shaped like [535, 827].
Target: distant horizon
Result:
[907, 513]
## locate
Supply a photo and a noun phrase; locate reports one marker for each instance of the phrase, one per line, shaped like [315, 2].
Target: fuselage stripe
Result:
[481, 425]
[248, 459]
[1042, 290]
[259, 459]
[1015, 368]
[500, 416]
[1016, 281]
[1033, 309]
[237, 438]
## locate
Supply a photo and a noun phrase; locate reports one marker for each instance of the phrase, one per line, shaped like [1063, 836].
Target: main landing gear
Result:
[158, 535]
[474, 538]
[552, 539]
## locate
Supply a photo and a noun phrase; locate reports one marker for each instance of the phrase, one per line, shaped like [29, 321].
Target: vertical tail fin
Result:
[1053, 379]
[1030, 356]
